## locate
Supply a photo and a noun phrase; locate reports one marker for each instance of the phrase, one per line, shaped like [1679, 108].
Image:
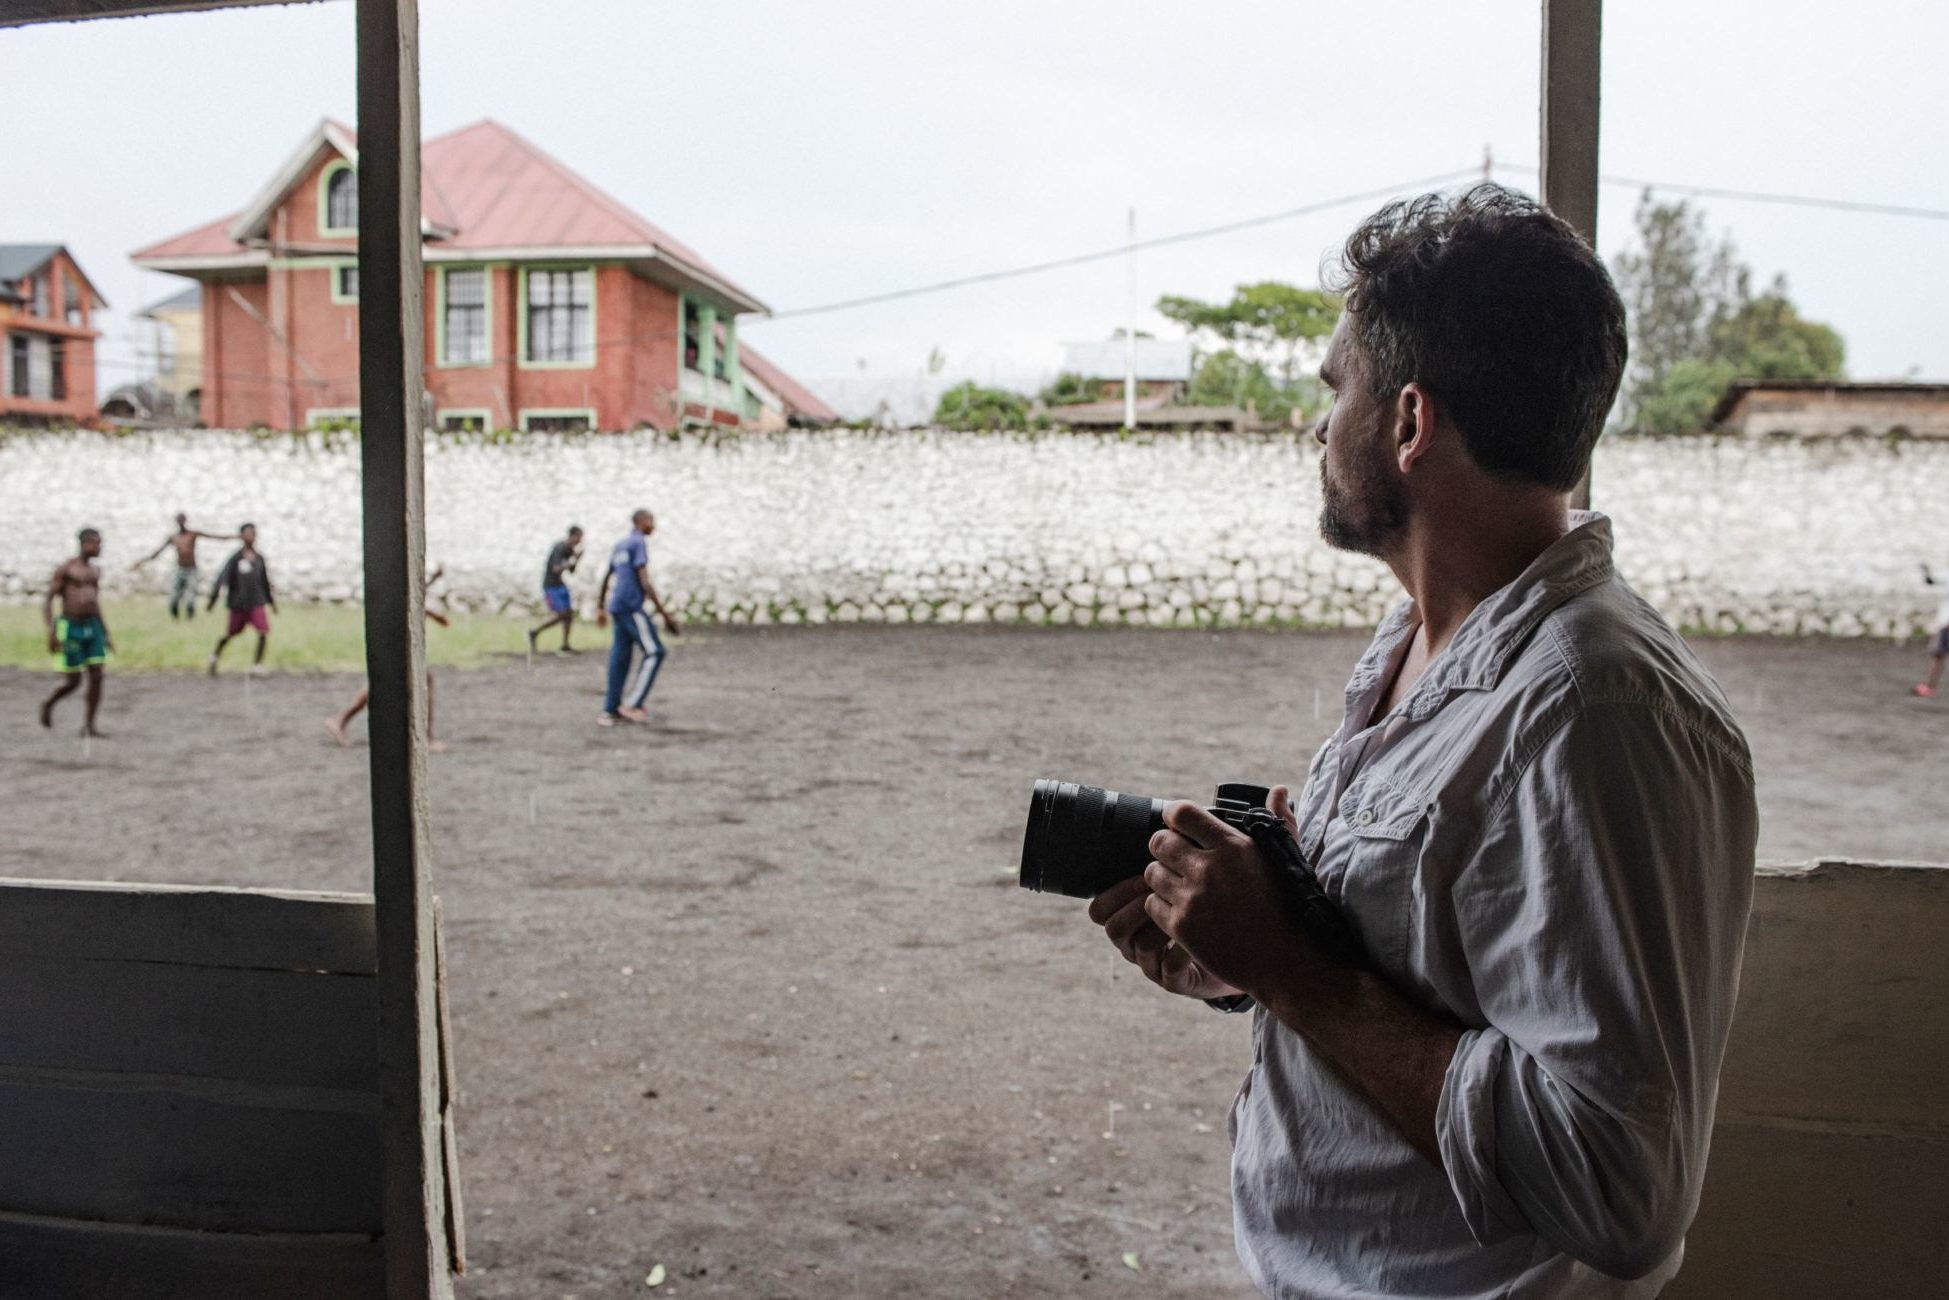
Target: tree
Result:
[970, 406]
[1274, 320]
[1696, 325]
[1765, 337]
[1672, 288]
[1225, 378]
[1681, 401]
[1262, 334]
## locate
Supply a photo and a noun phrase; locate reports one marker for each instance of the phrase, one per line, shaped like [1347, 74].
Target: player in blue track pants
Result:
[627, 597]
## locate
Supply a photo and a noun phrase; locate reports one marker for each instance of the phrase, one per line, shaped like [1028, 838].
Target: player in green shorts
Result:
[79, 635]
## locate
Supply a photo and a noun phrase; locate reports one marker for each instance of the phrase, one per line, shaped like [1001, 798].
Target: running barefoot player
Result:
[79, 636]
[335, 727]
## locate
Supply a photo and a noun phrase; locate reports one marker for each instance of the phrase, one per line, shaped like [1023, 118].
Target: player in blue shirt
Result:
[629, 575]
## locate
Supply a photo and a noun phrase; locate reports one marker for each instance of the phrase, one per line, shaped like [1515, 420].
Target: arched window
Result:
[342, 199]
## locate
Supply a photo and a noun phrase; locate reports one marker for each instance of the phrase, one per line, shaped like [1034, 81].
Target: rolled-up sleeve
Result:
[1602, 915]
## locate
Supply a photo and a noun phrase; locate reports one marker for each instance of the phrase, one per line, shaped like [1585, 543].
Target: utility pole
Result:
[1130, 324]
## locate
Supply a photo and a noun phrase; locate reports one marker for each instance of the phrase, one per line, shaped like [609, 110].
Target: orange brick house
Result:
[47, 340]
[549, 305]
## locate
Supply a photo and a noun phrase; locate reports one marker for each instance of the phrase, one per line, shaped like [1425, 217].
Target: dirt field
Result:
[750, 992]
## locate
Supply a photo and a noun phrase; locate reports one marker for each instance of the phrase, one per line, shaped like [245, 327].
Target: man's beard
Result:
[1367, 516]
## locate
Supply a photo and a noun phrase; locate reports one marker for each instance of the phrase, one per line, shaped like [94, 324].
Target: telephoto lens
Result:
[1082, 839]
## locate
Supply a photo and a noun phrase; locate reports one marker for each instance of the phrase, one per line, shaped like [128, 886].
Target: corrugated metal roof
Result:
[1738, 388]
[17, 260]
[191, 297]
[208, 240]
[1155, 358]
[495, 191]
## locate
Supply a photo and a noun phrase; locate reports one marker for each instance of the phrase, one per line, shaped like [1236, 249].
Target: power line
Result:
[1183, 236]
[1760, 196]
[1187, 236]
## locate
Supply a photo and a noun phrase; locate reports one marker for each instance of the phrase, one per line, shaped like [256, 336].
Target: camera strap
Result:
[1325, 924]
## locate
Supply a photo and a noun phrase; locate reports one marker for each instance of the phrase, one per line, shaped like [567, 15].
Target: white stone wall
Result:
[926, 526]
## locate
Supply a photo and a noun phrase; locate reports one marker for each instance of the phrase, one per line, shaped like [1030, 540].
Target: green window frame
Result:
[465, 419]
[350, 196]
[691, 318]
[463, 324]
[564, 308]
[553, 415]
[317, 415]
[345, 281]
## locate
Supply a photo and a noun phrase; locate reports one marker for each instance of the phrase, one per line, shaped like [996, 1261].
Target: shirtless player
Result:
[79, 636]
[182, 588]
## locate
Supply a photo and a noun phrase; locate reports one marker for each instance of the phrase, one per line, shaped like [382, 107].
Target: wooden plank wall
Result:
[189, 1094]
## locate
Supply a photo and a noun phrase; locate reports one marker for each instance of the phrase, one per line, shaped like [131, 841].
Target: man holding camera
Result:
[1537, 815]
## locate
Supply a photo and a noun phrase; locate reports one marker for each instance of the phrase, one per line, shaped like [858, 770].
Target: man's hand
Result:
[53, 642]
[602, 617]
[671, 625]
[1213, 894]
[1120, 911]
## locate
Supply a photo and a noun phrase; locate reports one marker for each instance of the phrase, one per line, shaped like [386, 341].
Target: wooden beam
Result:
[25, 13]
[1572, 66]
[193, 925]
[1572, 41]
[391, 351]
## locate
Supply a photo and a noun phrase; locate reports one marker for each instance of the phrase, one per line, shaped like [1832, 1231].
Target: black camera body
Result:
[1082, 839]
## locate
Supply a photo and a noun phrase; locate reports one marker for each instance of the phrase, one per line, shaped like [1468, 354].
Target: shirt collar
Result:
[1498, 627]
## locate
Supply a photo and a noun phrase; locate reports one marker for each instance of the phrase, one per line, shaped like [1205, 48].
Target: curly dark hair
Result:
[1503, 312]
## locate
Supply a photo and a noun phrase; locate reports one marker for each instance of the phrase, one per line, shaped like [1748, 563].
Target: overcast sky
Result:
[823, 149]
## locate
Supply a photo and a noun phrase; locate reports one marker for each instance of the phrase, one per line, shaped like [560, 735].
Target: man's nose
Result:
[1319, 429]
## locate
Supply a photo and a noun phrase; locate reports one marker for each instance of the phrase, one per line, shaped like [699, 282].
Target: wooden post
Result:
[391, 353]
[1572, 49]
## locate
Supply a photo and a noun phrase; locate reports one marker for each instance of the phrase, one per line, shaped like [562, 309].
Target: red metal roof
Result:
[802, 400]
[209, 240]
[495, 190]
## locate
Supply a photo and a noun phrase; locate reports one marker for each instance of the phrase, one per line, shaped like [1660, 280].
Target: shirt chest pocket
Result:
[1374, 851]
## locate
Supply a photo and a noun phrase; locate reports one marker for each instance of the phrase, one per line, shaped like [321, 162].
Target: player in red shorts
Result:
[248, 582]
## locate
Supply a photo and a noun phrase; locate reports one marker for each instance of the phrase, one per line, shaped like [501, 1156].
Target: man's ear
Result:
[1414, 425]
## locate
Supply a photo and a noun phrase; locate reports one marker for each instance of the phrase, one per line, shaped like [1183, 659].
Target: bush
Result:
[970, 406]
[1070, 389]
